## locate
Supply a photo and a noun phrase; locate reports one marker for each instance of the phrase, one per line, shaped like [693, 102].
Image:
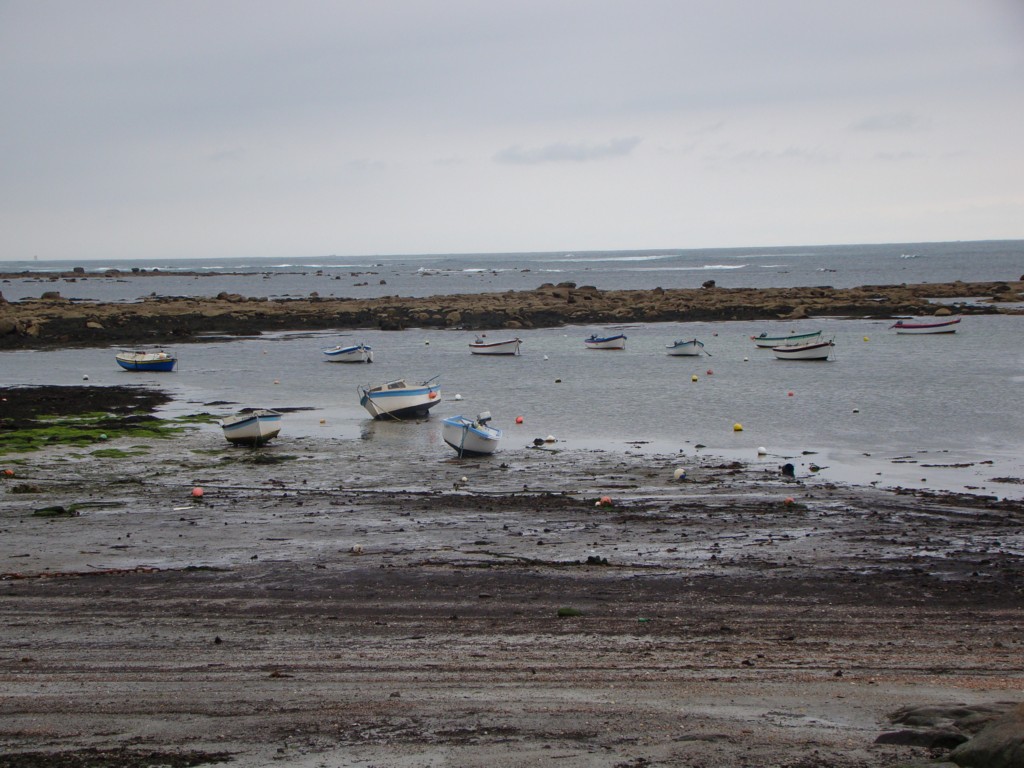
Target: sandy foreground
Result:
[325, 605]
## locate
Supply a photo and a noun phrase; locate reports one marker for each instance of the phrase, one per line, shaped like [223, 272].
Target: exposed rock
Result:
[51, 296]
[943, 312]
[1000, 744]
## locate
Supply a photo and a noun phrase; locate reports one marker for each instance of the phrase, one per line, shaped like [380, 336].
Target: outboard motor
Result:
[483, 418]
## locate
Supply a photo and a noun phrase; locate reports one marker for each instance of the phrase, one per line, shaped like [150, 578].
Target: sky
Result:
[223, 128]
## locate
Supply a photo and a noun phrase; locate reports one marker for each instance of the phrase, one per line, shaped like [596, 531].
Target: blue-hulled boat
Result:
[471, 437]
[146, 361]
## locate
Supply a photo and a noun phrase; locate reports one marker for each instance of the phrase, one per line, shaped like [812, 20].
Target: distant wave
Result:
[579, 259]
[701, 268]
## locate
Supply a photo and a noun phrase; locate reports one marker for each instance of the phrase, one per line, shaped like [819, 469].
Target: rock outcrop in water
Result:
[56, 321]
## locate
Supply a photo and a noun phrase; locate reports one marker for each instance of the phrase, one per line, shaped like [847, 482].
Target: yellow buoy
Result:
[694, 377]
[866, 339]
[737, 427]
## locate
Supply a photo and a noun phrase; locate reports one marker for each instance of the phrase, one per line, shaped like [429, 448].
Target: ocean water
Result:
[374, 276]
[937, 412]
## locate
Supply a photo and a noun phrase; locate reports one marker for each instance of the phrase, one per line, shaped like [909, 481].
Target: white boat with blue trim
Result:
[354, 353]
[606, 342]
[471, 437]
[159, 362]
[252, 426]
[681, 348]
[398, 399]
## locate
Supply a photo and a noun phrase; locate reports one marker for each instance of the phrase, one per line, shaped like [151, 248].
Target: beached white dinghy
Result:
[471, 437]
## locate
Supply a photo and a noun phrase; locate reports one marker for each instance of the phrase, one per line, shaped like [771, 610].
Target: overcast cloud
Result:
[206, 128]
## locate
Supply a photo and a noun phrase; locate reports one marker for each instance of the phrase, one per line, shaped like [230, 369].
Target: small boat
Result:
[252, 426]
[912, 327]
[146, 361]
[605, 342]
[483, 347]
[355, 353]
[397, 399]
[764, 341]
[471, 437]
[815, 350]
[680, 348]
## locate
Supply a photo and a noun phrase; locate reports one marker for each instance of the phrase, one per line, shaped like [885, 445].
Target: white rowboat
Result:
[764, 341]
[506, 347]
[254, 427]
[818, 350]
[605, 342]
[680, 348]
[471, 437]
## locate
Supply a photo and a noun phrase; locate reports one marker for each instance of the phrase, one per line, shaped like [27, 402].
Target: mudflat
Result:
[322, 604]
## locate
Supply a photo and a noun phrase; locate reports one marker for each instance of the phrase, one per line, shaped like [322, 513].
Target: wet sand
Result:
[325, 605]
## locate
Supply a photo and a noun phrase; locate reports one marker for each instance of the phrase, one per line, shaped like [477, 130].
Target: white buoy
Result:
[85, 378]
[549, 439]
[679, 474]
[464, 479]
[458, 397]
[762, 451]
[545, 357]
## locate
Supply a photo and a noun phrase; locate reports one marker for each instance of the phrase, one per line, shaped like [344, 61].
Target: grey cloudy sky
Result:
[213, 128]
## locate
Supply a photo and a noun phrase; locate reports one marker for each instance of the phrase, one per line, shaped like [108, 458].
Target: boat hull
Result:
[252, 428]
[508, 347]
[817, 351]
[606, 342]
[919, 329]
[158, 362]
[770, 342]
[468, 437]
[690, 348]
[360, 353]
[398, 401]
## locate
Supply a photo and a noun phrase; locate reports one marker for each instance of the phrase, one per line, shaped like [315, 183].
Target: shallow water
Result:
[894, 410]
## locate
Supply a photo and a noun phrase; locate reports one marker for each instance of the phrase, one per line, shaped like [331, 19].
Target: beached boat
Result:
[355, 353]
[506, 347]
[252, 427]
[764, 341]
[914, 327]
[471, 437]
[680, 348]
[146, 361]
[815, 350]
[605, 342]
[397, 399]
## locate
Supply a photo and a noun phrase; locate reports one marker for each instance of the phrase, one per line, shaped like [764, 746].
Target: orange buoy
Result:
[519, 419]
[197, 492]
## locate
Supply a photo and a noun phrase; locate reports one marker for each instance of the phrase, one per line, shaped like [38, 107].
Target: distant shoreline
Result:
[54, 321]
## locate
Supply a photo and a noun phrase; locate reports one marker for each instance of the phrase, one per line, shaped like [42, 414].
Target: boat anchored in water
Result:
[146, 361]
[764, 341]
[680, 348]
[397, 399]
[606, 342]
[815, 350]
[471, 437]
[253, 427]
[483, 347]
[355, 353]
[914, 327]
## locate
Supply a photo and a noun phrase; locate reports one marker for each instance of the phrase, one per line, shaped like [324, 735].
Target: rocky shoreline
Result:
[53, 320]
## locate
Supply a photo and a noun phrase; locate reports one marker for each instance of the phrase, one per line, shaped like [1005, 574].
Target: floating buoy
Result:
[762, 451]
[357, 549]
[427, 343]
[85, 378]
[519, 419]
[545, 357]
[856, 410]
[549, 439]
[197, 492]
[746, 359]
[679, 474]
[558, 381]
[694, 377]
[458, 397]
[866, 339]
[737, 427]
[710, 372]
[788, 500]
[323, 421]
[463, 479]
[790, 393]
[715, 333]
[277, 381]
